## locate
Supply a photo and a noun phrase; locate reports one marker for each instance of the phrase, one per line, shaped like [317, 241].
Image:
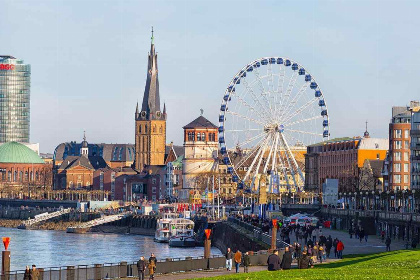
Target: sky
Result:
[89, 59]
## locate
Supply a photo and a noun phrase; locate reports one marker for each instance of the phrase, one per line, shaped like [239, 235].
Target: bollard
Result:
[71, 275]
[5, 260]
[123, 270]
[274, 235]
[207, 248]
[98, 272]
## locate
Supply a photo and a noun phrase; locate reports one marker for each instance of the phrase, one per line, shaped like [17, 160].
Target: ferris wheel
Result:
[271, 111]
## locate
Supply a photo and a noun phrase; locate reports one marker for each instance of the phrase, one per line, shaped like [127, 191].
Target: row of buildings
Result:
[365, 163]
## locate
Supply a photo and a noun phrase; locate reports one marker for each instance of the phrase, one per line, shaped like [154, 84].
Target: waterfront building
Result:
[200, 155]
[15, 80]
[398, 160]
[415, 145]
[76, 172]
[150, 128]
[115, 155]
[341, 158]
[371, 178]
[22, 167]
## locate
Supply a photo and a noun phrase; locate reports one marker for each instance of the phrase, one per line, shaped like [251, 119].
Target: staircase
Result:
[43, 217]
[84, 227]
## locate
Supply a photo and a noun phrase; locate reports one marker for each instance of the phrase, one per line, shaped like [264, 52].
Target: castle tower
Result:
[150, 121]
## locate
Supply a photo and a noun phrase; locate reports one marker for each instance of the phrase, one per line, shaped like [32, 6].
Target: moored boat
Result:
[182, 233]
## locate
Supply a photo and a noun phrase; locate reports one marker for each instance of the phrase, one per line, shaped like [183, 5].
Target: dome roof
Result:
[13, 152]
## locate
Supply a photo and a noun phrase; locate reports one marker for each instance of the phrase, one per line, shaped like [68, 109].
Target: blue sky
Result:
[89, 59]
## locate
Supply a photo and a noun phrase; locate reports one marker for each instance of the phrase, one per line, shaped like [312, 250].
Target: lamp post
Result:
[387, 200]
[5, 259]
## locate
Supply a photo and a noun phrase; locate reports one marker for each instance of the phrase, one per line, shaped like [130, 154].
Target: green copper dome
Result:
[13, 152]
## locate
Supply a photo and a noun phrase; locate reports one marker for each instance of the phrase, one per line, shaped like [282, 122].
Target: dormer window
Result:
[158, 114]
[143, 114]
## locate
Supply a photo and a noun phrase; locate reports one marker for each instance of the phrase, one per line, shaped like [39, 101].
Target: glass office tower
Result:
[15, 81]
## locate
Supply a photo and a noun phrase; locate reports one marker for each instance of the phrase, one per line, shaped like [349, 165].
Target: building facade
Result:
[399, 149]
[150, 134]
[15, 82]
[415, 146]
[22, 167]
[342, 159]
[200, 154]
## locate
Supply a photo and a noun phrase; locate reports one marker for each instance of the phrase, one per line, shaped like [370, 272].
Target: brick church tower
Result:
[150, 121]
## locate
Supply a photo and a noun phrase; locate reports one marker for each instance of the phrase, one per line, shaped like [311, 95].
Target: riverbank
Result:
[50, 225]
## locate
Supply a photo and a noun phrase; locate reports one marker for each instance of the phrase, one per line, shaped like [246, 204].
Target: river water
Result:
[56, 248]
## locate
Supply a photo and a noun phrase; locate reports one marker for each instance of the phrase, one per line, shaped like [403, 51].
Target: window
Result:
[397, 144]
[397, 167]
[406, 145]
[160, 129]
[70, 184]
[406, 167]
[139, 128]
[406, 133]
[406, 179]
[397, 179]
[154, 181]
[397, 156]
[397, 133]
[406, 157]
[198, 136]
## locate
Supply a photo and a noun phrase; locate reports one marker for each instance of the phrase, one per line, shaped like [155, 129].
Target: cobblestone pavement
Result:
[354, 246]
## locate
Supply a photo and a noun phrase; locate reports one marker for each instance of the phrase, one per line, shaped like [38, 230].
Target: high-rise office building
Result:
[15, 82]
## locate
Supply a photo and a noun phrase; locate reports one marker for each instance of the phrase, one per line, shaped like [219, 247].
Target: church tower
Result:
[150, 121]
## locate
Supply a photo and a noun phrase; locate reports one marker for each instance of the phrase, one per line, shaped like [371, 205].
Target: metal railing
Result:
[257, 233]
[386, 215]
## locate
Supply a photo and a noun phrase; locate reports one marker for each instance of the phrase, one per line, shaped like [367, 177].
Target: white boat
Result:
[162, 232]
[182, 233]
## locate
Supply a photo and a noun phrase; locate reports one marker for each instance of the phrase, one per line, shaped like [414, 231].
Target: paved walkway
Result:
[354, 246]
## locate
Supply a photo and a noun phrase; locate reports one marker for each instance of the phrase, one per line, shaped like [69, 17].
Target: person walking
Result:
[152, 258]
[351, 232]
[314, 233]
[141, 267]
[320, 253]
[340, 248]
[246, 262]
[286, 262]
[383, 236]
[152, 269]
[34, 273]
[27, 274]
[361, 234]
[328, 246]
[335, 248]
[229, 257]
[238, 260]
[388, 243]
[273, 261]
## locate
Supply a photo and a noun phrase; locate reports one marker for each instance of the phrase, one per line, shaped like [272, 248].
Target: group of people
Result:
[238, 259]
[359, 233]
[31, 274]
[150, 265]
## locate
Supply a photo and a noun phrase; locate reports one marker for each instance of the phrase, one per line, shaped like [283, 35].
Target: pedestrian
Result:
[286, 262]
[273, 261]
[34, 273]
[328, 246]
[314, 233]
[152, 258]
[320, 253]
[229, 257]
[361, 234]
[238, 260]
[366, 236]
[414, 242]
[141, 267]
[340, 248]
[335, 248]
[152, 269]
[383, 236]
[388, 243]
[305, 261]
[246, 261]
[351, 232]
[27, 274]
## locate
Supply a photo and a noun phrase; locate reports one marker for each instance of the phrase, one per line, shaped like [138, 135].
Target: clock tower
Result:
[150, 120]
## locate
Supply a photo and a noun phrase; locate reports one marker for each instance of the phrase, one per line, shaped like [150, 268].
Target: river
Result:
[56, 248]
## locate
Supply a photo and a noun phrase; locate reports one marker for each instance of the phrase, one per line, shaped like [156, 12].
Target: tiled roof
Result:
[200, 122]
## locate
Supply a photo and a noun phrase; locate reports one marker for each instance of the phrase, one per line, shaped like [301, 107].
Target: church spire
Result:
[151, 98]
